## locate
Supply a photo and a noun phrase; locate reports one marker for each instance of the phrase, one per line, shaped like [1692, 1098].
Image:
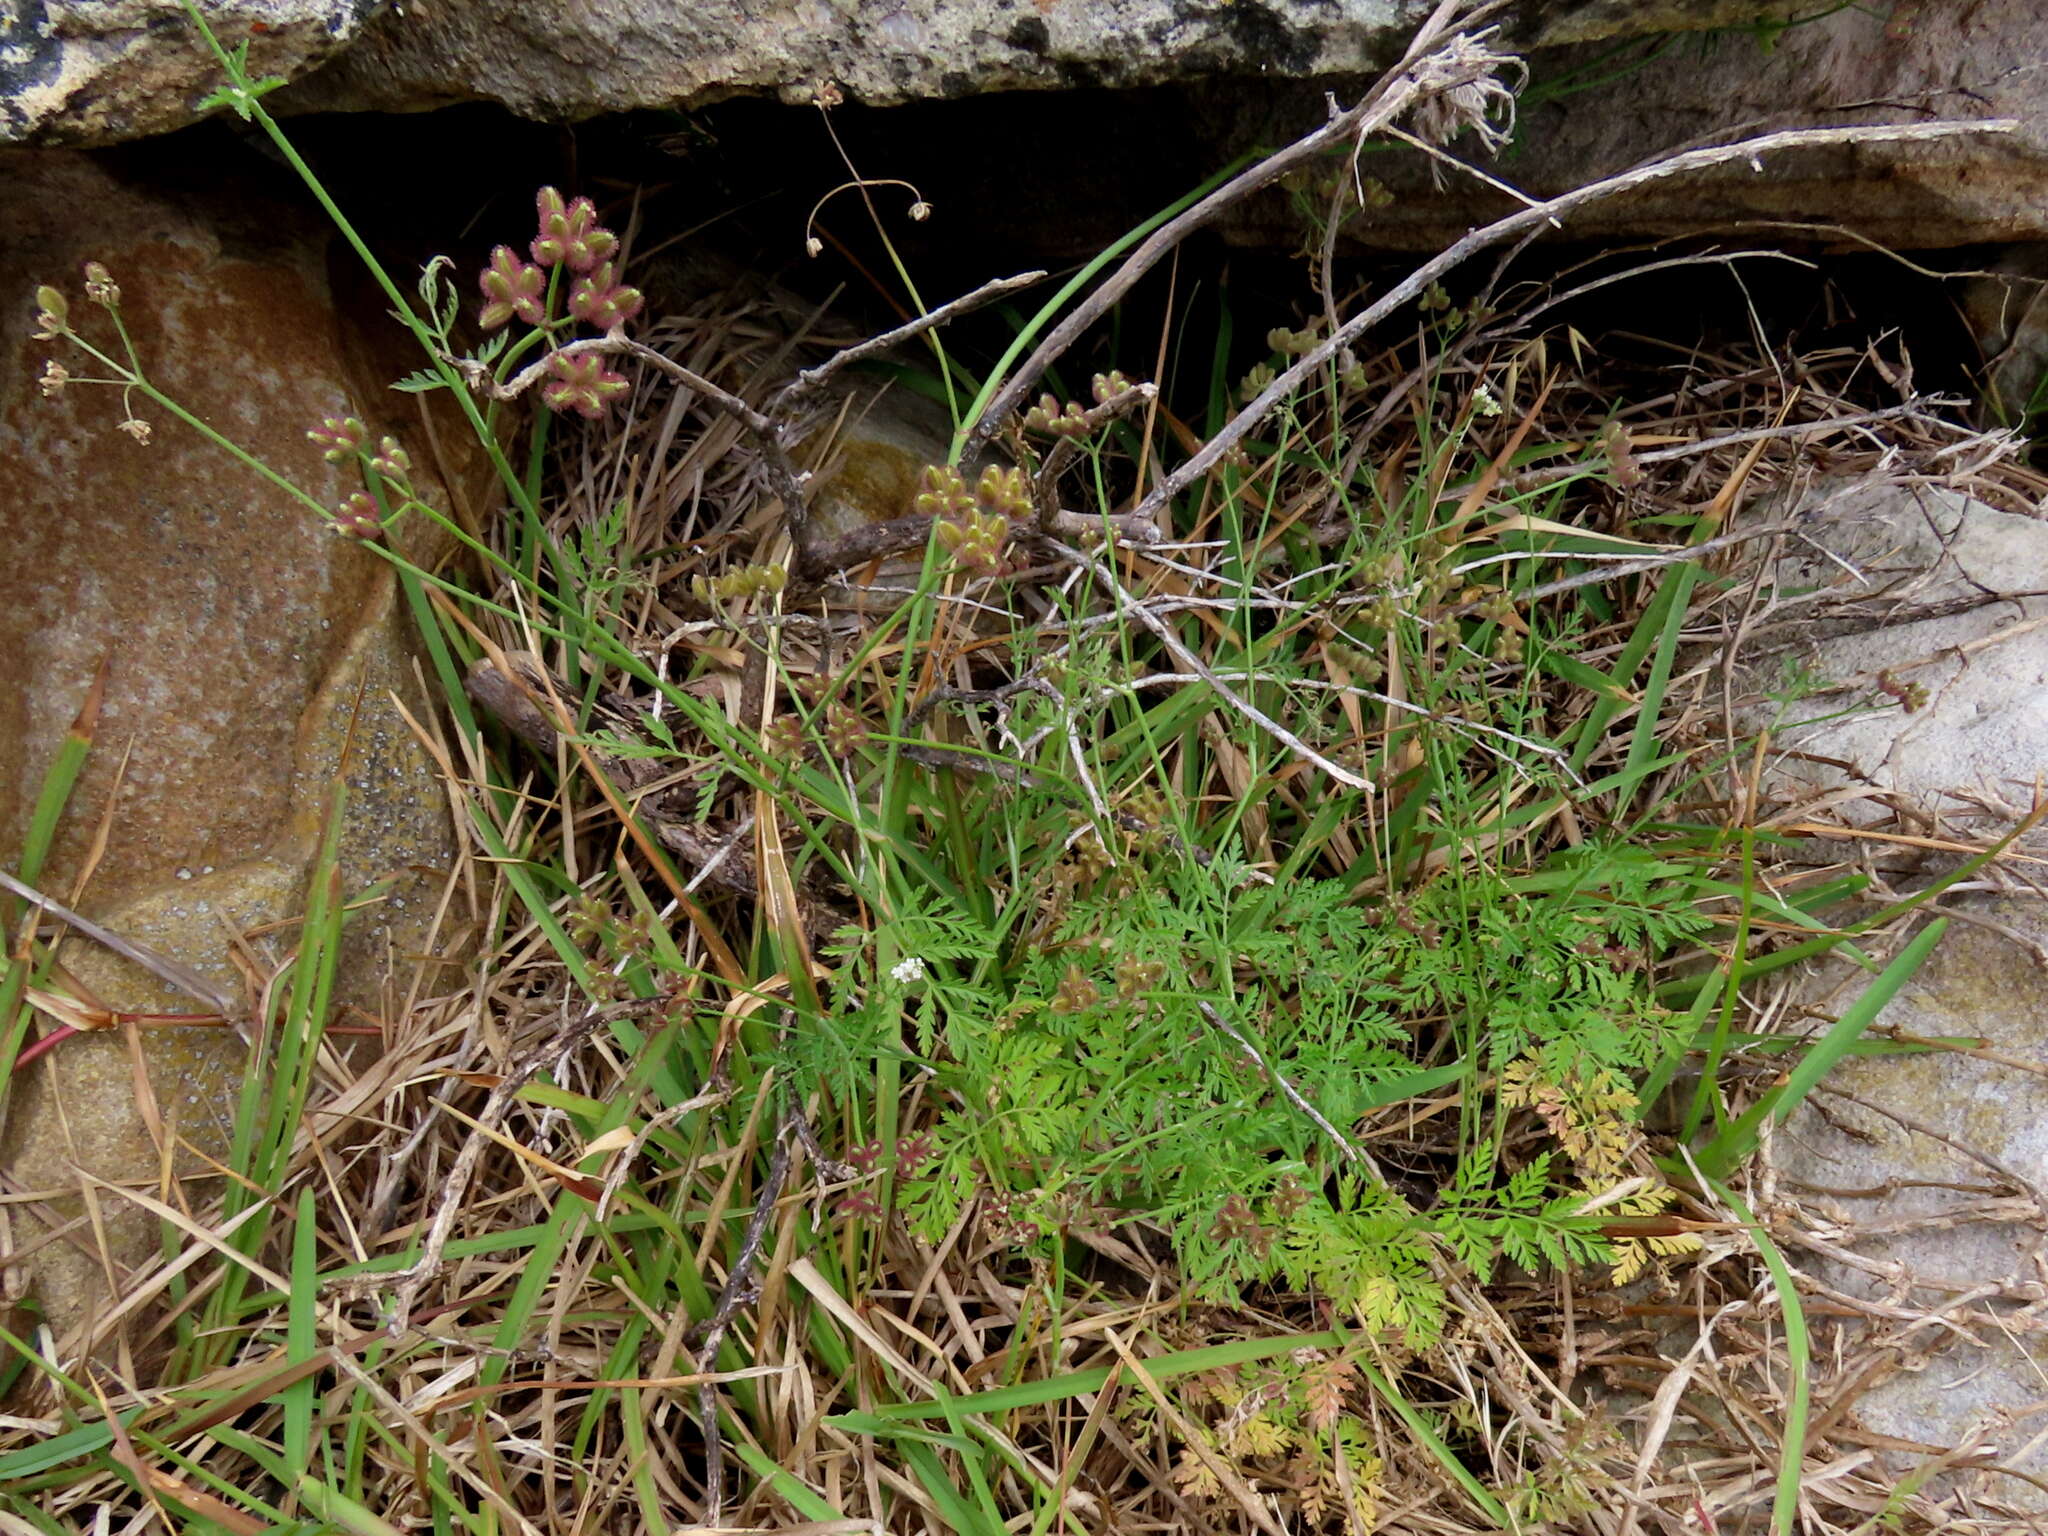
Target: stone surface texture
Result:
[1697, 70]
[1919, 588]
[564, 60]
[2007, 308]
[1933, 1189]
[252, 662]
[81, 74]
[558, 59]
[1924, 1179]
[90, 72]
[1593, 114]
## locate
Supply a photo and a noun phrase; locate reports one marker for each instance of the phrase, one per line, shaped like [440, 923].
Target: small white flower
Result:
[907, 971]
[1484, 403]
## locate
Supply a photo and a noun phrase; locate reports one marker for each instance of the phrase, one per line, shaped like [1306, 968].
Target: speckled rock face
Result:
[1927, 1179]
[1920, 1182]
[571, 60]
[1927, 592]
[252, 658]
[79, 72]
[1900, 62]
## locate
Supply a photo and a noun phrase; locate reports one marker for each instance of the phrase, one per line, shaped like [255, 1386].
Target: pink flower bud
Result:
[598, 300]
[338, 437]
[512, 288]
[581, 383]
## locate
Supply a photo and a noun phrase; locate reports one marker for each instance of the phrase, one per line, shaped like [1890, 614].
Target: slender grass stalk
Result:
[1785, 1519]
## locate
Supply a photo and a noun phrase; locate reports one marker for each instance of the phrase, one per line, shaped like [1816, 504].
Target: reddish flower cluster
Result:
[581, 383]
[571, 237]
[570, 234]
[514, 287]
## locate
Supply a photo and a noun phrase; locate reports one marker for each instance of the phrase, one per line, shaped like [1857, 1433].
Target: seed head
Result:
[99, 285]
[356, 518]
[1107, 386]
[570, 234]
[1075, 993]
[783, 740]
[511, 287]
[581, 383]
[1004, 491]
[1057, 420]
[859, 1205]
[599, 299]
[912, 1153]
[392, 461]
[339, 437]
[845, 731]
[53, 312]
[942, 493]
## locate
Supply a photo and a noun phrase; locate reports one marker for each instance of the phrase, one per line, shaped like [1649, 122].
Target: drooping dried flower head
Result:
[1463, 91]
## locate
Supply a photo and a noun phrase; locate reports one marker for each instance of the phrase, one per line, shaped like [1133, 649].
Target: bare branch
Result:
[1637, 567]
[1344, 1144]
[799, 390]
[412, 1280]
[1045, 489]
[1508, 228]
[1106, 579]
[617, 343]
[1424, 71]
[740, 1289]
[788, 483]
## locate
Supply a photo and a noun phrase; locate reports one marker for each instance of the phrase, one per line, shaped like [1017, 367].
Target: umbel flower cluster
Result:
[387, 470]
[570, 251]
[974, 525]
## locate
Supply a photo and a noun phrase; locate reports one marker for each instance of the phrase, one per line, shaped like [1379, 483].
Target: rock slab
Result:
[1916, 1184]
[1596, 108]
[82, 73]
[1928, 1176]
[1922, 665]
[252, 661]
[100, 71]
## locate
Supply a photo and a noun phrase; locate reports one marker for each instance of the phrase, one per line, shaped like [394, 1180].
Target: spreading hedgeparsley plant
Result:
[567, 279]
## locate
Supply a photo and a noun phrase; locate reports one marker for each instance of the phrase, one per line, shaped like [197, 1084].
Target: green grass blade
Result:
[59, 781]
[961, 1516]
[1445, 1458]
[1052, 1389]
[1726, 1151]
[1798, 1351]
[803, 1499]
[340, 1511]
[301, 1337]
[1658, 626]
[1028, 332]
